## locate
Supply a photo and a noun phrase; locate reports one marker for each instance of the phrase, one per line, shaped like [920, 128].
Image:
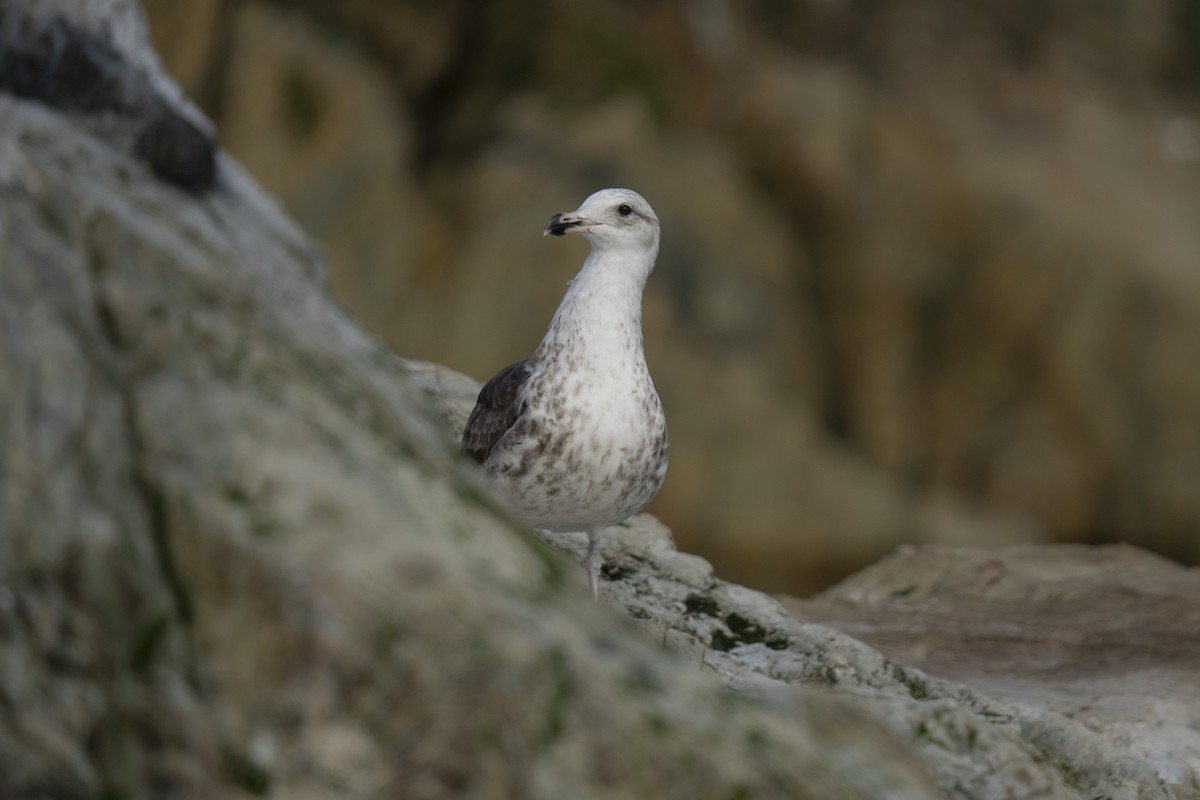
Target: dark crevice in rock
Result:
[63, 67]
[616, 572]
[156, 509]
[153, 499]
[176, 150]
[802, 198]
[66, 68]
[739, 629]
[701, 604]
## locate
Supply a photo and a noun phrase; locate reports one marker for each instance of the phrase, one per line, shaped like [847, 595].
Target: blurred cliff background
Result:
[930, 272]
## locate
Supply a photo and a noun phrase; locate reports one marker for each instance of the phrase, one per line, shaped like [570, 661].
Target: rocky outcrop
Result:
[241, 555]
[929, 267]
[1109, 637]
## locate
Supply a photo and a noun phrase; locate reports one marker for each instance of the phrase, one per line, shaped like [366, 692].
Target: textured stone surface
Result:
[1106, 722]
[239, 552]
[240, 555]
[1109, 637]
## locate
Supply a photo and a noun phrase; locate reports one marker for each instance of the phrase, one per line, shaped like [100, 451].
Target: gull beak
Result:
[568, 222]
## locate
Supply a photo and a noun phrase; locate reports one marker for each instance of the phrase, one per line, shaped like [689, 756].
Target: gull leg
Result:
[592, 562]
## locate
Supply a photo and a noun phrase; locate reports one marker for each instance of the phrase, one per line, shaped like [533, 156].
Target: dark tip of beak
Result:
[558, 226]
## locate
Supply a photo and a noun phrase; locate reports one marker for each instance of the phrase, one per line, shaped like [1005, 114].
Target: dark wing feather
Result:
[499, 404]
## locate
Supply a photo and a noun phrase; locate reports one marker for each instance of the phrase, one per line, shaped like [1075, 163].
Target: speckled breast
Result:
[588, 457]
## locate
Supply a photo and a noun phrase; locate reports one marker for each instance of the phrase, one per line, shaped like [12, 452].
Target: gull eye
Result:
[624, 209]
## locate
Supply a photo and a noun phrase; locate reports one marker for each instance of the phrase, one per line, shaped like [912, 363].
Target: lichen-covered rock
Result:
[241, 555]
[239, 552]
[1107, 636]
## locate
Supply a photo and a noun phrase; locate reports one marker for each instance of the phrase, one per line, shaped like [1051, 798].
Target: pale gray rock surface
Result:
[241, 555]
[1107, 636]
[979, 743]
[240, 552]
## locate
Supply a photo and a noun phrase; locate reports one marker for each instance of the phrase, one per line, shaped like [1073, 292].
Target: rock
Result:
[76, 66]
[1133, 748]
[1108, 636]
[240, 553]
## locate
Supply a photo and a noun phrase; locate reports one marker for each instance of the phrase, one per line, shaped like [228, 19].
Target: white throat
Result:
[602, 310]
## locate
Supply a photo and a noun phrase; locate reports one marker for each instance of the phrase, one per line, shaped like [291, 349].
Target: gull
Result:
[574, 437]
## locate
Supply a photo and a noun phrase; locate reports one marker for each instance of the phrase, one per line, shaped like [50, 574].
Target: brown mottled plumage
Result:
[495, 411]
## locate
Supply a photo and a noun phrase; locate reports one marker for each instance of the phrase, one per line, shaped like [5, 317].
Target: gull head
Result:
[611, 219]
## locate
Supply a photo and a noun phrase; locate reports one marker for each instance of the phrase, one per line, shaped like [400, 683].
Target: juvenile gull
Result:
[574, 437]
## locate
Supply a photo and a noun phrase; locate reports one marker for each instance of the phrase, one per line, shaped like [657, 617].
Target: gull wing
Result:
[500, 403]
